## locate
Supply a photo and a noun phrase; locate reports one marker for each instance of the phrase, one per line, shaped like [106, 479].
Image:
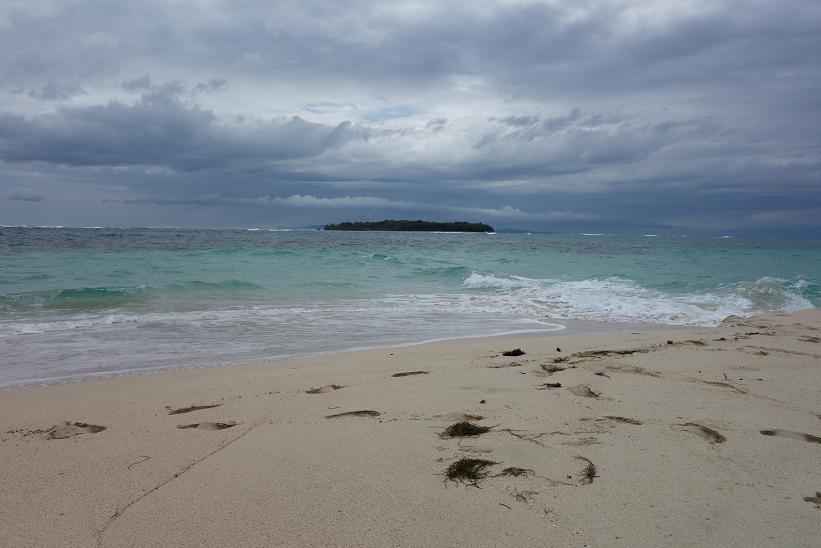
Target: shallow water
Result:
[80, 302]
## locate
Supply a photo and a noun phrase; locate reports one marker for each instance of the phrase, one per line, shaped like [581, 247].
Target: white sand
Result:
[284, 475]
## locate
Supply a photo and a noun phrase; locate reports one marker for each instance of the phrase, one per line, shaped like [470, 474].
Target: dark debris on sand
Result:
[363, 413]
[469, 471]
[516, 472]
[191, 408]
[464, 429]
[324, 389]
[589, 472]
[514, 352]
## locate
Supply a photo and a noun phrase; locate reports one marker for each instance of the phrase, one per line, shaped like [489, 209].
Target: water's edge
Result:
[571, 327]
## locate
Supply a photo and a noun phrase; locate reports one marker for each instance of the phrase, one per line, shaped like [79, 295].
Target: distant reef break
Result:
[412, 226]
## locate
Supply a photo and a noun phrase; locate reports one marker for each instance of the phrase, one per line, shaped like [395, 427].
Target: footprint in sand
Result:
[624, 420]
[712, 436]
[69, 429]
[325, 389]
[792, 435]
[504, 365]
[409, 373]
[584, 391]
[190, 409]
[363, 413]
[724, 385]
[209, 425]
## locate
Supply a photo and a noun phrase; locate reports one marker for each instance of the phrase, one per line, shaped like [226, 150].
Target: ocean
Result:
[78, 303]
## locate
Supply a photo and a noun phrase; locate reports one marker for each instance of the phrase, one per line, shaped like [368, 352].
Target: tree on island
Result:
[412, 226]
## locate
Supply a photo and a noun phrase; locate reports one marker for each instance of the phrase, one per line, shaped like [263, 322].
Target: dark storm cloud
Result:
[159, 130]
[22, 197]
[685, 113]
[52, 91]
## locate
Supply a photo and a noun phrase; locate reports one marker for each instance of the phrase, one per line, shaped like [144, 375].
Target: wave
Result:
[114, 297]
[622, 300]
[378, 315]
[74, 298]
[446, 273]
[484, 298]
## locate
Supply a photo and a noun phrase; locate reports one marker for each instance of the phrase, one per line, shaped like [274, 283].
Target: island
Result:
[412, 226]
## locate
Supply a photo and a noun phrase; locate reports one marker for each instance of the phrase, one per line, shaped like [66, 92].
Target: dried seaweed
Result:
[625, 420]
[469, 471]
[325, 389]
[464, 429]
[516, 472]
[514, 352]
[589, 472]
[191, 408]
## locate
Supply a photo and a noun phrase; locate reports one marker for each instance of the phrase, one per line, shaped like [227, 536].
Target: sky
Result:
[657, 116]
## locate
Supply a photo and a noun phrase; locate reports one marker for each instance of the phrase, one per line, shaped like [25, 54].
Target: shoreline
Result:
[568, 327]
[708, 439]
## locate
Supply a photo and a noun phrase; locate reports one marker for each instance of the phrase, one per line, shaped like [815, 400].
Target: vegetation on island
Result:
[407, 226]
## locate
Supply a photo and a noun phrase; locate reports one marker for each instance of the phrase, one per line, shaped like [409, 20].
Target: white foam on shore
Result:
[513, 297]
[68, 345]
[619, 300]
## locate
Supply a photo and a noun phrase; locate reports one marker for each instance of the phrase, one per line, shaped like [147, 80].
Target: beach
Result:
[684, 437]
[410, 274]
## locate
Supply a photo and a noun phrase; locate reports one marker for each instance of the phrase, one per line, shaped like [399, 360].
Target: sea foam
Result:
[621, 300]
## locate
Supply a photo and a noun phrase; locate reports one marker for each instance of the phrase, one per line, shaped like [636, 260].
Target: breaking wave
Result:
[622, 300]
[91, 298]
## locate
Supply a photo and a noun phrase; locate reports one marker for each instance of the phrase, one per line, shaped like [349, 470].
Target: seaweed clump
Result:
[464, 429]
[468, 471]
[517, 472]
[589, 473]
[514, 352]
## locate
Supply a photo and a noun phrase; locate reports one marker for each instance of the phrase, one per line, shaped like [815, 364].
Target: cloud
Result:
[797, 216]
[140, 83]
[359, 203]
[53, 91]
[211, 86]
[161, 130]
[644, 112]
[25, 197]
[400, 111]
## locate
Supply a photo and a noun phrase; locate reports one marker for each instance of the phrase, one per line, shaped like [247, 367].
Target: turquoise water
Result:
[76, 303]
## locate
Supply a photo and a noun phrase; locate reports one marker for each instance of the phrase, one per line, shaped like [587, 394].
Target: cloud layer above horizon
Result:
[662, 116]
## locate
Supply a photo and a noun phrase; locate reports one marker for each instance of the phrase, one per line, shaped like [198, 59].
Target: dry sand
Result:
[712, 440]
